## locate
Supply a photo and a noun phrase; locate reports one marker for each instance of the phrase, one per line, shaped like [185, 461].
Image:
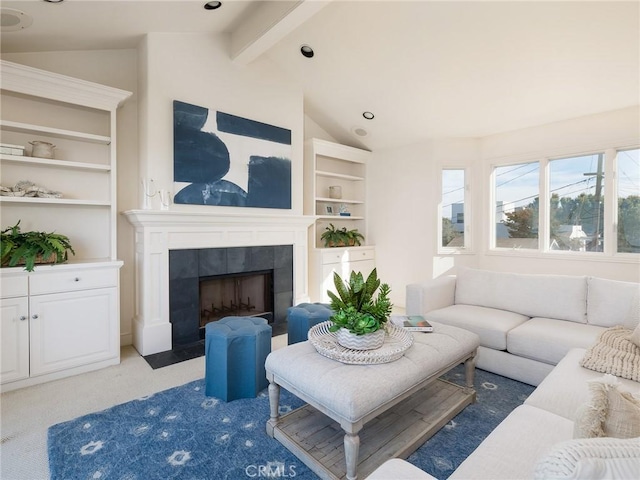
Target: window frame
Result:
[610, 185]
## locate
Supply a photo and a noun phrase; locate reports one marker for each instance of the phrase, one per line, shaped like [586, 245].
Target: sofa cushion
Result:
[513, 448]
[551, 296]
[548, 340]
[610, 412]
[614, 353]
[566, 388]
[490, 324]
[610, 302]
[591, 459]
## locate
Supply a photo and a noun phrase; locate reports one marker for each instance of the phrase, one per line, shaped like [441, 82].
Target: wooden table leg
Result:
[274, 406]
[351, 448]
[470, 371]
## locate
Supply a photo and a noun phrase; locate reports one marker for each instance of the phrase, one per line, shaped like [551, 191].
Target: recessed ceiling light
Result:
[359, 131]
[307, 51]
[12, 20]
[54, 1]
[212, 5]
[368, 115]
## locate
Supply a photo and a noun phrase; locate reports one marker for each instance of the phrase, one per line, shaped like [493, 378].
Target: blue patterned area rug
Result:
[182, 434]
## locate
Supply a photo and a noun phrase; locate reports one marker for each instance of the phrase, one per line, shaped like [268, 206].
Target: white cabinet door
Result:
[344, 269]
[73, 329]
[14, 339]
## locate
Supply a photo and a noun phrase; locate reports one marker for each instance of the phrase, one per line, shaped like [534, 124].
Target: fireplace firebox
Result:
[241, 295]
[212, 283]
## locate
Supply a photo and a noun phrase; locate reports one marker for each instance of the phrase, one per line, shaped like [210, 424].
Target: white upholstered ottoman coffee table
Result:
[402, 403]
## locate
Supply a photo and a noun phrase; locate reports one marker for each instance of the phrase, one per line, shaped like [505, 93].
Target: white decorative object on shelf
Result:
[396, 342]
[335, 191]
[165, 199]
[42, 149]
[147, 193]
[25, 188]
[10, 149]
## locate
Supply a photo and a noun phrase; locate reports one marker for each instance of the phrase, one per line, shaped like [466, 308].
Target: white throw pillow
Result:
[610, 412]
[592, 458]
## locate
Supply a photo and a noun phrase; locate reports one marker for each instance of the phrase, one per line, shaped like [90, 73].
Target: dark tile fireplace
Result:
[211, 283]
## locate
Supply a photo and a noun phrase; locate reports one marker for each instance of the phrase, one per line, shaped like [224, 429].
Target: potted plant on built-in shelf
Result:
[360, 316]
[341, 237]
[31, 248]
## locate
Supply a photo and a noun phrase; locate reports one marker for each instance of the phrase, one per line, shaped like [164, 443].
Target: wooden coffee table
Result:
[359, 416]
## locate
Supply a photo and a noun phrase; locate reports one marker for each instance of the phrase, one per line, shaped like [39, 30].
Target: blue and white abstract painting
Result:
[222, 159]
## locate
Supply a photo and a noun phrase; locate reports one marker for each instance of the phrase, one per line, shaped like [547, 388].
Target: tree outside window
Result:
[628, 186]
[517, 206]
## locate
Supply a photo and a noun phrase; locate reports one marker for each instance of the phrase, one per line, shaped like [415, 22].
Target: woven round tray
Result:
[396, 342]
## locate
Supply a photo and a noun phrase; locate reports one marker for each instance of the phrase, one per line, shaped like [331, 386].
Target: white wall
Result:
[196, 69]
[403, 197]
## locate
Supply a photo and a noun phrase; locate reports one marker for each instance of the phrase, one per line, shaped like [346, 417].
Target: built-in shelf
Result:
[339, 200]
[54, 201]
[19, 127]
[18, 159]
[342, 176]
[338, 217]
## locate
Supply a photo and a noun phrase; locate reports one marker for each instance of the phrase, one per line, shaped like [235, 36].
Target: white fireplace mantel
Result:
[159, 231]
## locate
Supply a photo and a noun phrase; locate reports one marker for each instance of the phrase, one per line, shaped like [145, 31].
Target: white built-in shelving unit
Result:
[63, 319]
[330, 164]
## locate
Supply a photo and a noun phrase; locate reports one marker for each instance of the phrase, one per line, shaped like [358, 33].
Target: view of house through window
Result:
[452, 208]
[517, 205]
[628, 176]
[576, 220]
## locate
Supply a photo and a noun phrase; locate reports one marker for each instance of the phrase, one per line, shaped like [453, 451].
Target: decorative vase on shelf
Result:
[368, 341]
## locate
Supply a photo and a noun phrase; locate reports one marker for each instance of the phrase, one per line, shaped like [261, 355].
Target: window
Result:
[452, 208]
[576, 213]
[628, 183]
[517, 205]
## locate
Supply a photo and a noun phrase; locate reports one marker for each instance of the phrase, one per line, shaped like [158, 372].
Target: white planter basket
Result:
[368, 341]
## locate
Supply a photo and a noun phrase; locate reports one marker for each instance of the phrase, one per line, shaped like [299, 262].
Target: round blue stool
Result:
[235, 351]
[302, 317]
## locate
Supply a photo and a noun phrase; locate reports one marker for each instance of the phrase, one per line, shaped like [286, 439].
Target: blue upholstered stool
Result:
[235, 351]
[304, 316]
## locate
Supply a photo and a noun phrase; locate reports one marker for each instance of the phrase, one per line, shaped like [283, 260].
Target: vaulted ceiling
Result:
[424, 68]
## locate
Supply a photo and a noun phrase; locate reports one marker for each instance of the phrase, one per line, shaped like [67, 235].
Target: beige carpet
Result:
[26, 414]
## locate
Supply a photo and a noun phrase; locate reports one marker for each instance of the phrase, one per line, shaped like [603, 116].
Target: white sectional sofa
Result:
[527, 323]
[537, 439]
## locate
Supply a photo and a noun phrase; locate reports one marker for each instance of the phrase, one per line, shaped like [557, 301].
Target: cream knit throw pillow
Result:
[614, 353]
[590, 459]
[610, 412]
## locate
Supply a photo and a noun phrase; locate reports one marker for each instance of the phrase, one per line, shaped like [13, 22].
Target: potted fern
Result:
[341, 237]
[30, 248]
[360, 316]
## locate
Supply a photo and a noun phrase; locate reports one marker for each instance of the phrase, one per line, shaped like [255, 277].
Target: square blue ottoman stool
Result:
[235, 351]
[302, 317]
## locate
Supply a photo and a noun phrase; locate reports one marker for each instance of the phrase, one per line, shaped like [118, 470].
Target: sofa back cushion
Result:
[551, 296]
[611, 302]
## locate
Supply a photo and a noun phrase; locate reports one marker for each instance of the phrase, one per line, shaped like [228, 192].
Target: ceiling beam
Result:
[269, 23]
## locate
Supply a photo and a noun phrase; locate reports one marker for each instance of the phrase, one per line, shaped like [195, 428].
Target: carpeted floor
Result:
[180, 433]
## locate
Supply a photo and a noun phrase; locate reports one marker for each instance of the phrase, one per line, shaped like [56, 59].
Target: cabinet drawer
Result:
[347, 255]
[72, 281]
[14, 286]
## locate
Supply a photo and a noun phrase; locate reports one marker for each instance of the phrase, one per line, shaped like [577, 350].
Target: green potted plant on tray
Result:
[30, 248]
[341, 237]
[360, 316]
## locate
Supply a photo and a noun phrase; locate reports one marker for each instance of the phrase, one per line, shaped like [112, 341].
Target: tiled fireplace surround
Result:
[159, 232]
